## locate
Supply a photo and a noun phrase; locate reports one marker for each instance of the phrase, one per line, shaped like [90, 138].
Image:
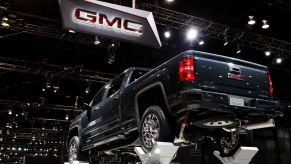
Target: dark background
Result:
[30, 63]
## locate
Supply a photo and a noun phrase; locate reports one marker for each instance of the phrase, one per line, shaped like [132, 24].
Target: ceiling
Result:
[42, 76]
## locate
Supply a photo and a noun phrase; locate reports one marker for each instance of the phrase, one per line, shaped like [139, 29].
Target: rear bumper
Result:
[197, 99]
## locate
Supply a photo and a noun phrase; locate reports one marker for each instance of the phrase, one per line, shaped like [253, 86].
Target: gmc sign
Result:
[100, 19]
[110, 20]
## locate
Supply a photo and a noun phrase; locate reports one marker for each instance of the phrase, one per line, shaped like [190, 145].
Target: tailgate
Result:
[232, 76]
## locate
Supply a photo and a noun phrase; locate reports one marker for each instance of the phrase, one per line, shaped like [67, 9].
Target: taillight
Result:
[186, 69]
[270, 84]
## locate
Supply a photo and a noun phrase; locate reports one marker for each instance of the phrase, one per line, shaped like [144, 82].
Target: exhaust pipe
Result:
[260, 125]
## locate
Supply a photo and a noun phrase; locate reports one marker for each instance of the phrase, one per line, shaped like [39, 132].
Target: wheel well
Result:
[73, 132]
[152, 96]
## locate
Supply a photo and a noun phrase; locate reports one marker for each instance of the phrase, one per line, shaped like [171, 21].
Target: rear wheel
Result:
[228, 143]
[154, 127]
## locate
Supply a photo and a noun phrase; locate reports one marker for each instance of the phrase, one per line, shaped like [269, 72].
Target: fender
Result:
[160, 85]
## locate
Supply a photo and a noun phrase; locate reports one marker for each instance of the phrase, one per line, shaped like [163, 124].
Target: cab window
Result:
[98, 97]
[115, 85]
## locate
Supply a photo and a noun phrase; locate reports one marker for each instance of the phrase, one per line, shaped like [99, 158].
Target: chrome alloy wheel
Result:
[218, 123]
[150, 130]
[73, 150]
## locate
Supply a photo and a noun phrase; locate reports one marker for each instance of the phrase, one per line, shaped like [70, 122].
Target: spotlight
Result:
[167, 34]
[251, 21]
[279, 60]
[88, 90]
[67, 117]
[111, 54]
[4, 22]
[43, 89]
[97, 41]
[268, 53]
[192, 34]
[72, 31]
[238, 49]
[10, 112]
[265, 24]
[201, 43]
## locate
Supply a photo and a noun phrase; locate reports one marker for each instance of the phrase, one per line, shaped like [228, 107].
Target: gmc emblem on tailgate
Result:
[234, 72]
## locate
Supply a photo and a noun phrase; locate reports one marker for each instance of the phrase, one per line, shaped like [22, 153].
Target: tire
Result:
[242, 140]
[74, 150]
[154, 127]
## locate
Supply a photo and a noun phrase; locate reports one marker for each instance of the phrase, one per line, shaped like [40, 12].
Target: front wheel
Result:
[154, 127]
[74, 149]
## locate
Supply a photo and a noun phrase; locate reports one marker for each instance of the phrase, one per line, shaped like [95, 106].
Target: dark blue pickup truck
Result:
[186, 100]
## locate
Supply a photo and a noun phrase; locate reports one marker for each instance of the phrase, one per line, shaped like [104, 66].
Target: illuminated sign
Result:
[110, 20]
[100, 19]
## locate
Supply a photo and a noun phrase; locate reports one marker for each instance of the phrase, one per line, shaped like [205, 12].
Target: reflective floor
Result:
[274, 148]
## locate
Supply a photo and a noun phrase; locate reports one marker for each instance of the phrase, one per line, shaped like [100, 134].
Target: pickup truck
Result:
[190, 98]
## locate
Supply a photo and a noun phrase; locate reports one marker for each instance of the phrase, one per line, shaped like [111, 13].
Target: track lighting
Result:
[72, 31]
[267, 53]
[192, 34]
[167, 34]
[4, 22]
[265, 24]
[238, 50]
[279, 60]
[111, 54]
[252, 20]
[201, 43]
[97, 40]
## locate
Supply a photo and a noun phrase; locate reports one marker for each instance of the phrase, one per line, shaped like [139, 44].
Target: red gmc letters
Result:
[100, 19]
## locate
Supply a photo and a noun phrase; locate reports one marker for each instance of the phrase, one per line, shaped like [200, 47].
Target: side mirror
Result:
[85, 106]
[88, 109]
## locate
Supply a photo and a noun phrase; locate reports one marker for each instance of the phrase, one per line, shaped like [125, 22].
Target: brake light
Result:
[270, 84]
[186, 69]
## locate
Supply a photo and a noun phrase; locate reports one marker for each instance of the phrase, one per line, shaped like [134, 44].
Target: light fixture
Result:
[4, 22]
[279, 60]
[238, 50]
[268, 53]
[192, 34]
[43, 89]
[201, 42]
[225, 37]
[111, 54]
[67, 117]
[170, 1]
[97, 41]
[72, 31]
[265, 24]
[10, 112]
[88, 89]
[167, 34]
[252, 20]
